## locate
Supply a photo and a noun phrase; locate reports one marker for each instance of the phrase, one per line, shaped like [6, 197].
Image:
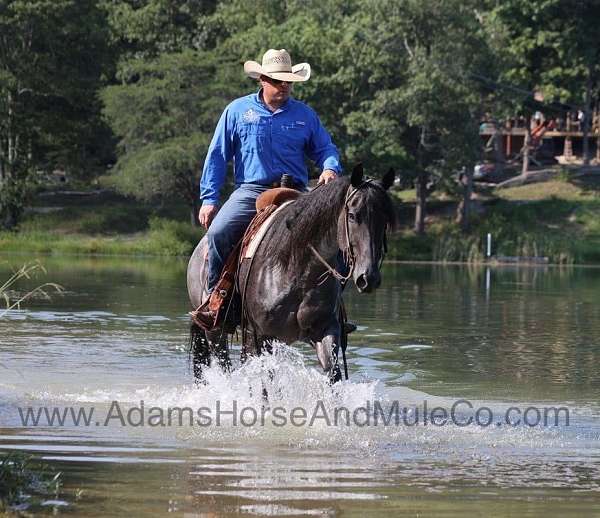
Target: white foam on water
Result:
[333, 417]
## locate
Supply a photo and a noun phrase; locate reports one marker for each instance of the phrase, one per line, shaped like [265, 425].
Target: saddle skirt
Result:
[268, 205]
[255, 238]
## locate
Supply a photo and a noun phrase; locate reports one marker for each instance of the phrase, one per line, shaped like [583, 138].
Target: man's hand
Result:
[327, 176]
[206, 215]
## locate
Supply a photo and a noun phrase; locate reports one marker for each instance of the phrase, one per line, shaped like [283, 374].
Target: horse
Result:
[291, 289]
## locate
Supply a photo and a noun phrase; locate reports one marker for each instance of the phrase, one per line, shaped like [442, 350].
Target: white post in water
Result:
[489, 245]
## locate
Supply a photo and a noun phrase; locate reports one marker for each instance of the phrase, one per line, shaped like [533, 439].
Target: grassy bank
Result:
[162, 237]
[558, 219]
[102, 223]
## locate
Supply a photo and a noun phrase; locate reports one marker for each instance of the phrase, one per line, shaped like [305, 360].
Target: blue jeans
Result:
[229, 226]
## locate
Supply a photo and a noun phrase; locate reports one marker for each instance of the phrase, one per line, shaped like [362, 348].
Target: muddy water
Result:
[470, 391]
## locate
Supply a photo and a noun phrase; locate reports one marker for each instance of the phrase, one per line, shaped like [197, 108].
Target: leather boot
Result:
[204, 318]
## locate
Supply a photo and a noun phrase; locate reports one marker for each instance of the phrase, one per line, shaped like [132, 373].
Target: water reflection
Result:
[498, 336]
[536, 330]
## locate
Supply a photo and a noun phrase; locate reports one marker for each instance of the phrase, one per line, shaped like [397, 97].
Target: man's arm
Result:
[219, 153]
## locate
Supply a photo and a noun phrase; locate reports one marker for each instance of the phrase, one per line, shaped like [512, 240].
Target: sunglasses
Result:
[275, 82]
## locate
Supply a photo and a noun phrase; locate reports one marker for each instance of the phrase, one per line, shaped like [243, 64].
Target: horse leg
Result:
[217, 344]
[251, 345]
[328, 349]
[255, 346]
[199, 351]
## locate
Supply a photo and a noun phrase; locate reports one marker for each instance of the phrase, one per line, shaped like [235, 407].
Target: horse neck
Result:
[328, 246]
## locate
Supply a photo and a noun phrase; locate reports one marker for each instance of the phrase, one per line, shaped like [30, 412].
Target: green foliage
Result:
[168, 237]
[399, 83]
[550, 45]
[151, 27]
[164, 113]
[163, 238]
[52, 57]
[21, 478]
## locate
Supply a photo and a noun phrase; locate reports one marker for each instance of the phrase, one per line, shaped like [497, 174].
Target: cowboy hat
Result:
[277, 64]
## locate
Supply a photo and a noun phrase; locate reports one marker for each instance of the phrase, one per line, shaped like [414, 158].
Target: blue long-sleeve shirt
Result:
[264, 145]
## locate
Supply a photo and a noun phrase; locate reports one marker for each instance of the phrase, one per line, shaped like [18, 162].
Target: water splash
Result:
[279, 399]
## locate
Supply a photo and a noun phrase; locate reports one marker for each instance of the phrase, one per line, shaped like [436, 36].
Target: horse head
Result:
[368, 212]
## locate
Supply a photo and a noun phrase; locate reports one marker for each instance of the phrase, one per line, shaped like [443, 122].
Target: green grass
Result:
[162, 238]
[559, 219]
[24, 480]
[562, 189]
[105, 224]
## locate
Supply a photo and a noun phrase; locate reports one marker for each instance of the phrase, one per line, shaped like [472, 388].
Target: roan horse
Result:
[291, 289]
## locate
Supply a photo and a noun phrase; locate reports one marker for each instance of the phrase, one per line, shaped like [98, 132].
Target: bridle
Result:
[348, 252]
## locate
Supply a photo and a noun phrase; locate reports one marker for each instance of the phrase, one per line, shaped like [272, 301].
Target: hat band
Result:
[277, 67]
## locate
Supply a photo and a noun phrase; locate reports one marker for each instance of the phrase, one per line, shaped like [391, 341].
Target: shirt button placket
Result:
[271, 141]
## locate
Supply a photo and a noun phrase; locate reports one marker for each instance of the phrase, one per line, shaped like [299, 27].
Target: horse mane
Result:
[311, 217]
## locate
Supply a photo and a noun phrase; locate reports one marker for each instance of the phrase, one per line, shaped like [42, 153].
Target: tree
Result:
[429, 94]
[146, 28]
[52, 54]
[552, 46]
[165, 113]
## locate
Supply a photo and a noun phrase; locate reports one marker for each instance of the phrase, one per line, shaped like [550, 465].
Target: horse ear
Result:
[388, 179]
[357, 175]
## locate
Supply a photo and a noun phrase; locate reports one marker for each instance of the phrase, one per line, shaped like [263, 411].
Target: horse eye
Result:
[351, 216]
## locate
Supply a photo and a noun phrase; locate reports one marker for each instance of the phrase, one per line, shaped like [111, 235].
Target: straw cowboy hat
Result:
[277, 64]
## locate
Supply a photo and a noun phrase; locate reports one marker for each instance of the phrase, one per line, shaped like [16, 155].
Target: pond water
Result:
[510, 357]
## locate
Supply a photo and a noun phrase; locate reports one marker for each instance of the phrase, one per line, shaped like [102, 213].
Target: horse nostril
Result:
[361, 282]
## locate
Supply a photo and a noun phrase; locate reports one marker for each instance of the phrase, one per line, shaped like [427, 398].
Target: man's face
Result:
[274, 90]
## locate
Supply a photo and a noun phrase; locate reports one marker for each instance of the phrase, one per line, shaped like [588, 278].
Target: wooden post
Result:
[526, 143]
[568, 147]
[498, 151]
[587, 115]
[596, 131]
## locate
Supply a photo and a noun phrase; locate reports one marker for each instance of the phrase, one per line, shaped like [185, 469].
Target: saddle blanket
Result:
[260, 234]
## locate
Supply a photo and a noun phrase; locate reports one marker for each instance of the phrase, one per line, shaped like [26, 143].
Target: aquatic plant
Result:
[18, 475]
[23, 479]
[27, 271]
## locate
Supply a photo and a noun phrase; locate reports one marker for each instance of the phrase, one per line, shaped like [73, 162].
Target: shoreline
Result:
[479, 264]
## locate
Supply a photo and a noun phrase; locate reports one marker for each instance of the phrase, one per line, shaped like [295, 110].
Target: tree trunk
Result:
[464, 207]
[526, 143]
[498, 149]
[586, 118]
[421, 185]
[420, 211]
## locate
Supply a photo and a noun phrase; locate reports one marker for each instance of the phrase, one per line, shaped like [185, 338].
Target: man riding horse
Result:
[267, 134]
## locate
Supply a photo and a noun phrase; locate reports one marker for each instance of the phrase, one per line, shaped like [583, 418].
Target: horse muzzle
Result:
[367, 282]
